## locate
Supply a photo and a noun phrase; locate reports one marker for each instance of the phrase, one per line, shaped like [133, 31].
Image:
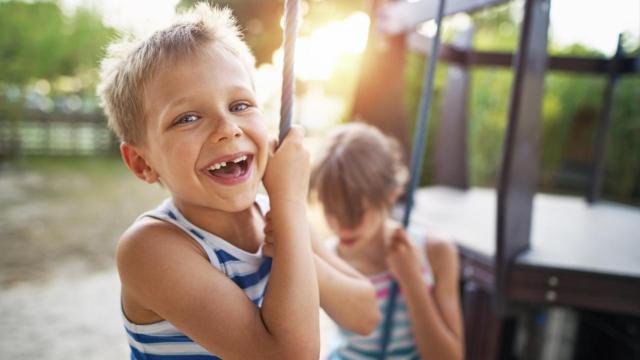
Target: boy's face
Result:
[205, 137]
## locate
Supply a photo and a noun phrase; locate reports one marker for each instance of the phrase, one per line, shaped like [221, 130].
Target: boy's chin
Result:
[238, 204]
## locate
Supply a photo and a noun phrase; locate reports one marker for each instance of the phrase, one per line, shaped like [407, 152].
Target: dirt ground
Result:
[59, 221]
[59, 290]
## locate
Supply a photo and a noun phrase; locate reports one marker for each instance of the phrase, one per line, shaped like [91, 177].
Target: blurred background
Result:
[65, 195]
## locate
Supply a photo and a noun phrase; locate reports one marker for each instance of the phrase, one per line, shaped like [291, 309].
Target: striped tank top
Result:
[249, 271]
[401, 345]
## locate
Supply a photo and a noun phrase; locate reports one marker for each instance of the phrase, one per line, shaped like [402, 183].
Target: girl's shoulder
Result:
[442, 253]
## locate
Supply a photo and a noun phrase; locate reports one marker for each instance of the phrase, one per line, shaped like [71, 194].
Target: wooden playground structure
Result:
[541, 274]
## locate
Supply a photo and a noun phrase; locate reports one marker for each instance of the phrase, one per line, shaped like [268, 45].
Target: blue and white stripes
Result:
[401, 345]
[162, 341]
[250, 271]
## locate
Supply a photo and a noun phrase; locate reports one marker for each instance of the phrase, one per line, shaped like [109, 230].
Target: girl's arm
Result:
[166, 273]
[435, 315]
[346, 295]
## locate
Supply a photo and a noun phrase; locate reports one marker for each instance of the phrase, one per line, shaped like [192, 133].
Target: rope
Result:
[417, 157]
[288, 80]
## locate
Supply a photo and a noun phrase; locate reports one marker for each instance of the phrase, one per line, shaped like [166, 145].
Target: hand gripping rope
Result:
[417, 156]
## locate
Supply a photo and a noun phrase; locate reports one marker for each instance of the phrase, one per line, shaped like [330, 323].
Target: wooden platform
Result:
[581, 255]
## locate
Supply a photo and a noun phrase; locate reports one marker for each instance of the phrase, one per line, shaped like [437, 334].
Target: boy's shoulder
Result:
[153, 240]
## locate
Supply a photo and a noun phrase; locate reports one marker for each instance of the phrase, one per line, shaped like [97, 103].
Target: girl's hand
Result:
[287, 174]
[402, 258]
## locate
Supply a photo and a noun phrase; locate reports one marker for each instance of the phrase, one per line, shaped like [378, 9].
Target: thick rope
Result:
[288, 75]
[417, 157]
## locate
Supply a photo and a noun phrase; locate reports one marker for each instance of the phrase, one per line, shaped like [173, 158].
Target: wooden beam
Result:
[451, 53]
[565, 287]
[518, 177]
[404, 16]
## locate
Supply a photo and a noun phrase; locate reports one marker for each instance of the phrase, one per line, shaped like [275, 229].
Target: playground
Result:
[531, 145]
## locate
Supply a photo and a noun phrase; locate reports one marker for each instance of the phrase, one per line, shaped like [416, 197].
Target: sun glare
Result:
[318, 54]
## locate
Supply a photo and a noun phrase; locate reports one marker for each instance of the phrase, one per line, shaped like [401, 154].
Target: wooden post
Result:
[379, 96]
[600, 146]
[451, 165]
[518, 177]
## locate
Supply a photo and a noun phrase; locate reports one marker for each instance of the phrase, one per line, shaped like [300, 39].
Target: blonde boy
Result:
[196, 282]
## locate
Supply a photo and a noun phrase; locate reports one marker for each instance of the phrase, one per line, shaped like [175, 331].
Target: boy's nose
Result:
[226, 130]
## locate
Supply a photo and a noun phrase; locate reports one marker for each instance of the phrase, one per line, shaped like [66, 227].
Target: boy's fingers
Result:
[296, 133]
[267, 250]
[273, 145]
[296, 130]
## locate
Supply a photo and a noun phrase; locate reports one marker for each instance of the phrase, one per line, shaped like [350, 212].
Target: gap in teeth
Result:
[223, 164]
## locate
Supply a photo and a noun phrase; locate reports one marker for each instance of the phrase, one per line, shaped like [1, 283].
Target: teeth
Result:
[224, 163]
[241, 158]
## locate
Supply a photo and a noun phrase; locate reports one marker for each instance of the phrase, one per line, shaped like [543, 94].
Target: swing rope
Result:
[417, 157]
[286, 106]
[288, 81]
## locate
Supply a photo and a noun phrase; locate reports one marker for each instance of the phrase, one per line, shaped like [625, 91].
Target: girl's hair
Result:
[130, 64]
[358, 167]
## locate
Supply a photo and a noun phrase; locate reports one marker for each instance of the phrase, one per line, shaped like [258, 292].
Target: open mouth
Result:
[348, 240]
[231, 170]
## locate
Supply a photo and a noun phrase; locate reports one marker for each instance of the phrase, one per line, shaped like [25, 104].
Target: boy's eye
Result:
[189, 118]
[239, 107]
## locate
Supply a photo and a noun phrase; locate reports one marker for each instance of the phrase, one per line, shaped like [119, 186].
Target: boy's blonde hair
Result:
[130, 64]
[358, 167]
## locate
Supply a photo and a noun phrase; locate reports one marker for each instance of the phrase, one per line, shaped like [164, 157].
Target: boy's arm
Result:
[291, 303]
[290, 307]
[166, 272]
[435, 315]
[347, 296]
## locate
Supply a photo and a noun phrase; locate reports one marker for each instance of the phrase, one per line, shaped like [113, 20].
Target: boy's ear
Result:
[136, 162]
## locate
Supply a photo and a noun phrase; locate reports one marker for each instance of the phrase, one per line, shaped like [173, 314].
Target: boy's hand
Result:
[267, 246]
[287, 174]
[402, 258]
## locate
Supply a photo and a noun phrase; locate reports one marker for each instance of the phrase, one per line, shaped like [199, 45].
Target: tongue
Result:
[230, 171]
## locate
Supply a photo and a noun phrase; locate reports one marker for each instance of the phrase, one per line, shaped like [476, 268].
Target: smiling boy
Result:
[195, 281]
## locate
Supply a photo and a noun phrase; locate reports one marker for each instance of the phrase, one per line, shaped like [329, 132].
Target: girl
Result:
[358, 176]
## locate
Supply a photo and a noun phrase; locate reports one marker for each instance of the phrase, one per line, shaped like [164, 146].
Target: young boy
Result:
[195, 280]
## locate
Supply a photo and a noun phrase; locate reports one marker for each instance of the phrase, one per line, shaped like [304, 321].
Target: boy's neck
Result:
[243, 229]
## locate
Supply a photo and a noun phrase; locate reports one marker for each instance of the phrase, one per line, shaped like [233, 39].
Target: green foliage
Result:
[622, 164]
[38, 41]
[568, 98]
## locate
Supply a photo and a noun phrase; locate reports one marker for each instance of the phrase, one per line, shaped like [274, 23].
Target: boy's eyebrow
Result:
[171, 104]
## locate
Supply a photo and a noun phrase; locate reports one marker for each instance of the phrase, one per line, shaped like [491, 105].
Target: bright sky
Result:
[590, 22]
[594, 23]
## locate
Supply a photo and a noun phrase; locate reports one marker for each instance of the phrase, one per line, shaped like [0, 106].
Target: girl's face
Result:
[362, 234]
